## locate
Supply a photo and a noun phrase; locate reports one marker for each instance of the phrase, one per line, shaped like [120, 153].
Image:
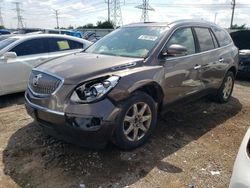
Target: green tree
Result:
[242, 27]
[70, 27]
[105, 25]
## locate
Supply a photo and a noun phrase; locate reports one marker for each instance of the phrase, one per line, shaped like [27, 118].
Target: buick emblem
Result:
[36, 79]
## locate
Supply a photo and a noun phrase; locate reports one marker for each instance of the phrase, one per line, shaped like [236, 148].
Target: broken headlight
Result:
[94, 90]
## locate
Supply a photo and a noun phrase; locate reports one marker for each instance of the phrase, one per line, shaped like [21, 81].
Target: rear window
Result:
[222, 36]
[205, 39]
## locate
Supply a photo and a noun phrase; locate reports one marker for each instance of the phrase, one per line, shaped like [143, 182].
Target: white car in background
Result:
[20, 53]
[241, 171]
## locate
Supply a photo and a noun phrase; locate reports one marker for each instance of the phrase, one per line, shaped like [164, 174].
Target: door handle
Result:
[197, 67]
[221, 60]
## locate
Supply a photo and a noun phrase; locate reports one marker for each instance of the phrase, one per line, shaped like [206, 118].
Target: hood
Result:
[81, 66]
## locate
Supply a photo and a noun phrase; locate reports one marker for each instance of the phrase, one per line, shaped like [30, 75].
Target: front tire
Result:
[136, 121]
[224, 93]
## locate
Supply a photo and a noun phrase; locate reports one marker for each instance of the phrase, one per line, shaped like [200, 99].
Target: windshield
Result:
[6, 42]
[129, 42]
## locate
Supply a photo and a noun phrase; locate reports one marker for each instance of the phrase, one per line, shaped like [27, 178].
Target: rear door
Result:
[181, 72]
[60, 46]
[208, 56]
[15, 72]
[227, 53]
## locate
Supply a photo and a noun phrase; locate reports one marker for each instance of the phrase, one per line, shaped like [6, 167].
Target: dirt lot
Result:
[189, 144]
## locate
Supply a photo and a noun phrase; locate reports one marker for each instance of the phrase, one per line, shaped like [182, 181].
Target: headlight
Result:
[94, 90]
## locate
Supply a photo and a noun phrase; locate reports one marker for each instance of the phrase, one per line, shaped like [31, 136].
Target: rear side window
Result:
[214, 40]
[30, 47]
[222, 36]
[60, 44]
[75, 45]
[183, 37]
[205, 39]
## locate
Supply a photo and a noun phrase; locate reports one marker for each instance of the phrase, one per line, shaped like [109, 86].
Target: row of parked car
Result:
[20, 53]
[115, 89]
[87, 35]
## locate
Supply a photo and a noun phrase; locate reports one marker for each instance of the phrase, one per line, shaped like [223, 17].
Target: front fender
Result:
[134, 79]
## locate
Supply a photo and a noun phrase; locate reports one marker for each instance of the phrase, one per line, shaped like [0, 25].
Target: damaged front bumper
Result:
[84, 128]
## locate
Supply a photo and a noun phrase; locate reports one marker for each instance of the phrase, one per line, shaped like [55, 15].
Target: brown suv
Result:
[115, 89]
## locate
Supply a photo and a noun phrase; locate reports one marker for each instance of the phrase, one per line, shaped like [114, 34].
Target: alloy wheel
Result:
[228, 86]
[137, 121]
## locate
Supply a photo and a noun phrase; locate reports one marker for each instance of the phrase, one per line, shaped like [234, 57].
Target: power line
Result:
[19, 17]
[145, 8]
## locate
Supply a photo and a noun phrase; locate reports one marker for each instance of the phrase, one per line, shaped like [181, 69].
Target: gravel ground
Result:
[193, 145]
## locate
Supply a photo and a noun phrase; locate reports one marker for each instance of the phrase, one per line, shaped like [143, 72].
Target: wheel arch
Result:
[233, 70]
[153, 89]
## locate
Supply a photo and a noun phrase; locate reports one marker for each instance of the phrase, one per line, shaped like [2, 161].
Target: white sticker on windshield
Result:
[148, 37]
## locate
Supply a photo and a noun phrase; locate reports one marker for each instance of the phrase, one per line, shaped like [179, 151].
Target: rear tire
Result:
[223, 95]
[136, 121]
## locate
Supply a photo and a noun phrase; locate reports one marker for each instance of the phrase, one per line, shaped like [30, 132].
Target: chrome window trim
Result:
[42, 108]
[189, 26]
[51, 74]
[199, 53]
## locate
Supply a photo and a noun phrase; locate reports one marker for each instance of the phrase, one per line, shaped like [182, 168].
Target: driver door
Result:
[14, 72]
[181, 72]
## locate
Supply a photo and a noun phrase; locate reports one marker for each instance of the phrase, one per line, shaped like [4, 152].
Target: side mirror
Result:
[9, 55]
[175, 50]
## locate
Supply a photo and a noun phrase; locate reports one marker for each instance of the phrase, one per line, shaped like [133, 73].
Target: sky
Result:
[39, 13]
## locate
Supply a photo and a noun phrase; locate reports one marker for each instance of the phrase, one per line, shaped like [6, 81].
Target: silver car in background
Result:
[241, 171]
[20, 53]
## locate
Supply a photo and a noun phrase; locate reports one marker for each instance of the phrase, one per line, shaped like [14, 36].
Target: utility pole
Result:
[232, 17]
[1, 18]
[145, 8]
[19, 17]
[215, 16]
[56, 12]
[116, 13]
[108, 2]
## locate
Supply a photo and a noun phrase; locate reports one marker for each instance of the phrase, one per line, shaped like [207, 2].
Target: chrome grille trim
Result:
[59, 82]
[42, 108]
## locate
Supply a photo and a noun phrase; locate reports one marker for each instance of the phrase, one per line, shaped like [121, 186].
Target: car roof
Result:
[174, 23]
[33, 36]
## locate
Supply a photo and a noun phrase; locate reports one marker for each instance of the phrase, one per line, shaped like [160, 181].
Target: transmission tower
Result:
[116, 12]
[19, 17]
[1, 17]
[145, 8]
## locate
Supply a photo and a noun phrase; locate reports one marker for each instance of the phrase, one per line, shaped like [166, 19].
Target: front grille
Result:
[41, 83]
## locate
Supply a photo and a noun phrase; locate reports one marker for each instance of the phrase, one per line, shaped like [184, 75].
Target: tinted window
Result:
[60, 44]
[75, 45]
[204, 38]
[183, 37]
[214, 40]
[222, 36]
[30, 47]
